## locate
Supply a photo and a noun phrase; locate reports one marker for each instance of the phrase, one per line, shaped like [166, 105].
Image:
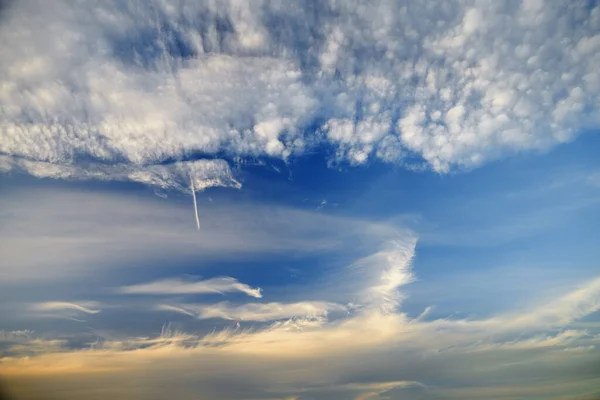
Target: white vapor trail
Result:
[195, 204]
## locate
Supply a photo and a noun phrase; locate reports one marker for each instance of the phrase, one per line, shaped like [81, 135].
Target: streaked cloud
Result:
[354, 355]
[219, 285]
[256, 311]
[64, 310]
[384, 272]
[41, 226]
[85, 307]
[333, 354]
[176, 176]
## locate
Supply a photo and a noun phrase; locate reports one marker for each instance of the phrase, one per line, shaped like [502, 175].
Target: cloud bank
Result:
[371, 349]
[455, 84]
[356, 357]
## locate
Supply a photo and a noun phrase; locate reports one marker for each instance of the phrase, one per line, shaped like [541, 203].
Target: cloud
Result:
[50, 233]
[374, 390]
[63, 305]
[366, 390]
[176, 176]
[373, 281]
[256, 311]
[219, 285]
[6, 336]
[371, 349]
[64, 310]
[566, 309]
[362, 356]
[384, 272]
[456, 85]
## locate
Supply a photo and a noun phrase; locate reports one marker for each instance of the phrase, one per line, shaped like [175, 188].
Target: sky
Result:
[299, 200]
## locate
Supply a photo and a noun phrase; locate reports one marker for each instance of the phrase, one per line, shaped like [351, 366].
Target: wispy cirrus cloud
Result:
[338, 359]
[256, 311]
[373, 282]
[85, 307]
[382, 273]
[218, 285]
[175, 176]
[65, 310]
[354, 355]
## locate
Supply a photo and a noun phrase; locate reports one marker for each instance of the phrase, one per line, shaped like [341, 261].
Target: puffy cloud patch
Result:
[456, 84]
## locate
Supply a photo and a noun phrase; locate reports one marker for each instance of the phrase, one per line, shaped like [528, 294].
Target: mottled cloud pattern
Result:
[455, 84]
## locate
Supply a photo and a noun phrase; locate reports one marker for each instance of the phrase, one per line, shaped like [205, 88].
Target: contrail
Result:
[195, 204]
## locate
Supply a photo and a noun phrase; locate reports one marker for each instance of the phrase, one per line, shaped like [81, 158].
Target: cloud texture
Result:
[455, 84]
[314, 349]
[356, 357]
[173, 93]
[175, 286]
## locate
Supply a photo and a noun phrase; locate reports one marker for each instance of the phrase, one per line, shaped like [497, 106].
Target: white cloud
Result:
[384, 272]
[219, 285]
[458, 84]
[373, 281]
[370, 349]
[63, 305]
[64, 310]
[176, 176]
[256, 311]
[566, 309]
[362, 356]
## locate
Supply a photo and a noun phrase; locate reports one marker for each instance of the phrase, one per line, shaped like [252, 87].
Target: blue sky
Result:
[390, 200]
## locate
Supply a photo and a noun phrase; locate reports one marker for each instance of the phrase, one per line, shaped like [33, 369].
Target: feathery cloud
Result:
[176, 176]
[256, 311]
[219, 285]
[337, 359]
[85, 307]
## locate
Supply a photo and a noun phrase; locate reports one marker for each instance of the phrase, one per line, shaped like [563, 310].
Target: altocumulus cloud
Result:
[455, 84]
